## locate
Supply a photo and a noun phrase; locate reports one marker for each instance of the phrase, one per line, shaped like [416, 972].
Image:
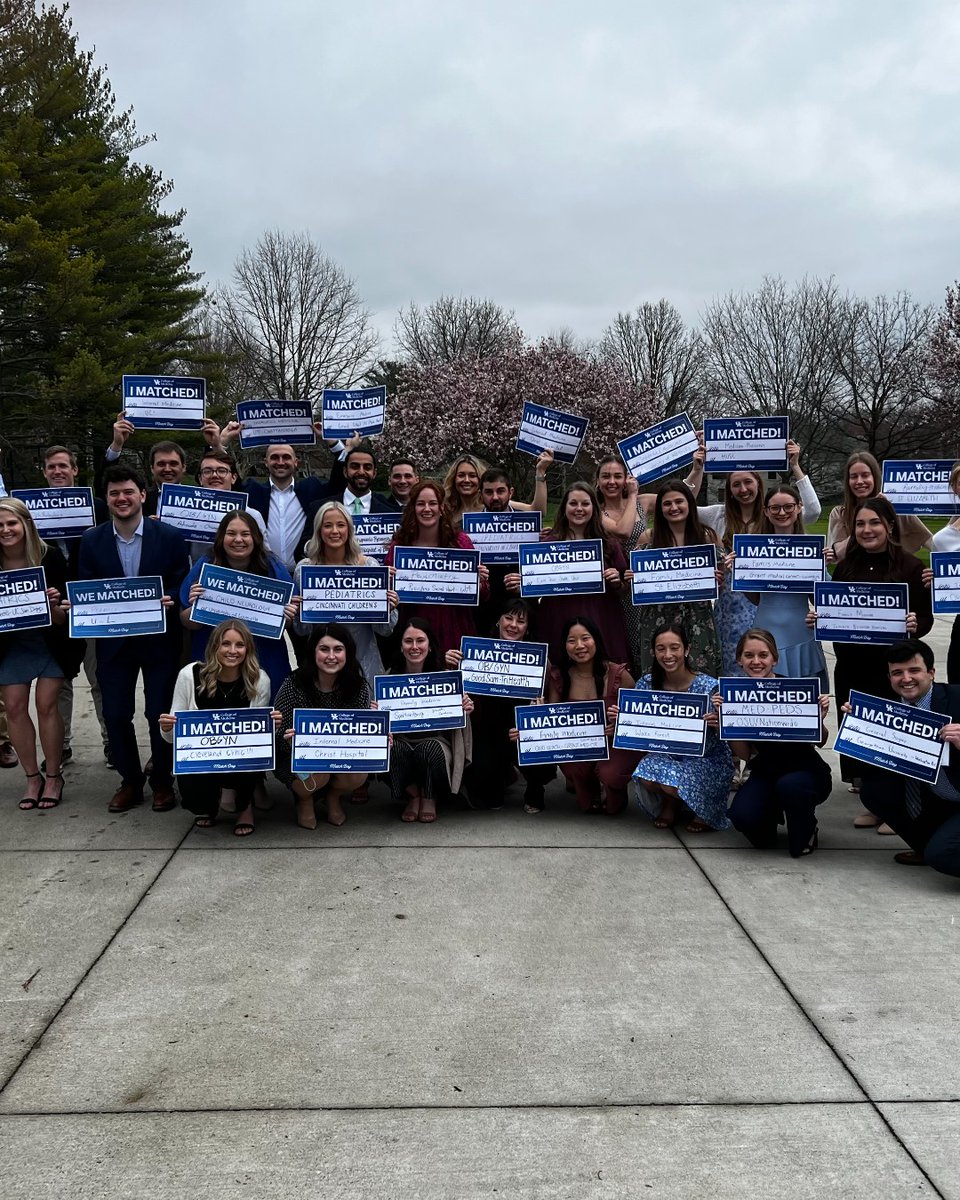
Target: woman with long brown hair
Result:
[862, 479]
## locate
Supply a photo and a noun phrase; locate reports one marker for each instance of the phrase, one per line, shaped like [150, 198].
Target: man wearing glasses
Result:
[217, 470]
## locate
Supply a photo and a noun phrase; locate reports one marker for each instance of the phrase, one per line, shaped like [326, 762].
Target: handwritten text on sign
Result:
[164, 401]
[896, 736]
[265, 422]
[59, 512]
[661, 449]
[786, 710]
[436, 576]
[866, 613]
[498, 534]
[197, 511]
[920, 486]
[219, 739]
[559, 733]
[327, 741]
[679, 575]
[543, 428]
[102, 608]
[350, 594]
[746, 443]
[777, 562]
[357, 410]
[422, 703]
[23, 599]
[492, 667]
[562, 568]
[255, 599]
[661, 722]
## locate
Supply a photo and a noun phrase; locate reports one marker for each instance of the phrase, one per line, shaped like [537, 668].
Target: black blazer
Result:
[67, 652]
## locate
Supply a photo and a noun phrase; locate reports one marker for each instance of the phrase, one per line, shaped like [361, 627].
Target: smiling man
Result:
[926, 816]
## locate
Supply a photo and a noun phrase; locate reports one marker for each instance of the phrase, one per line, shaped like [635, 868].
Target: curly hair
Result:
[409, 529]
[211, 668]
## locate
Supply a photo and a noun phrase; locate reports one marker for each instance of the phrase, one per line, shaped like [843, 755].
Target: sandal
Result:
[811, 845]
[412, 811]
[204, 822]
[427, 815]
[29, 802]
[46, 801]
[532, 808]
[243, 829]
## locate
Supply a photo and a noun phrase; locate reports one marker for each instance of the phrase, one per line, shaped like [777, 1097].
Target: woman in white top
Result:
[947, 541]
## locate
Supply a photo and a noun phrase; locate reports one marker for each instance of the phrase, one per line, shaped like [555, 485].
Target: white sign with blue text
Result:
[573, 731]
[422, 703]
[111, 608]
[896, 736]
[375, 532]
[265, 422]
[354, 411]
[328, 741]
[746, 443]
[23, 599]
[344, 594]
[223, 739]
[661, 722]
[920, 486]
[425, 576]
[789, 562]
[683, 574]
[255, 599]
[197, 511]
[164, 401]
[543, 428]
[562, 568]
[865, 613]
[946, 581]
[59, 512]
[491, 667]
[498, 534]
[778, 710]
[660, 449]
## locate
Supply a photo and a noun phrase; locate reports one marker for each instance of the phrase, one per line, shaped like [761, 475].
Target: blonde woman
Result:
[461, 488]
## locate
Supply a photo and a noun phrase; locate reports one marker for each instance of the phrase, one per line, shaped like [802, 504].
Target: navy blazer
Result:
[946, 700]
[164, 552]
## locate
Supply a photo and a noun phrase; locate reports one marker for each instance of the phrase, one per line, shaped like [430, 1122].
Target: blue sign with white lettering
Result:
[346, 594]
[164, 401]
[197, 511]
[255, 599]
[775, 562]
[422, 703]
[112, 608]
[59, 512]
[572, 731]
[498, 534]
[898, 737]
[862, 613]
[946, 581]
[266, 422]
[356, 410]
[23, 599]
[778, 710]
[661, 722]
[921, 486]
[660, 449]
[562, 568]
[223, 739]
[680, 575]
[746, 443]
[340, 741]
[543, 428]
[491, 667]
[425, 576]
[375, 532]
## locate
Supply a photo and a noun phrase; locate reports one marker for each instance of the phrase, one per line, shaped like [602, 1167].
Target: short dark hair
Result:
[364, 448]
[405, 462]
[121, 472]
[52, 450]
[903, 651]
[495, 475]
[168, 448]
[220, 456]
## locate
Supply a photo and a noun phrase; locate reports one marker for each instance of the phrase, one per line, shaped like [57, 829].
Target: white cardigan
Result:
[185, 697]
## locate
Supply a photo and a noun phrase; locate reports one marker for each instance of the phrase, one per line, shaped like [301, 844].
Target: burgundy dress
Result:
[450, 622]
[603, 608]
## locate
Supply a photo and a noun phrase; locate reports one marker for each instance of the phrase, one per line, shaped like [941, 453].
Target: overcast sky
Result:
[566, 159]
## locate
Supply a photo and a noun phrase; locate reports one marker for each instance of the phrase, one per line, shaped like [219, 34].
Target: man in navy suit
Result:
[130, 545]
[926, 815]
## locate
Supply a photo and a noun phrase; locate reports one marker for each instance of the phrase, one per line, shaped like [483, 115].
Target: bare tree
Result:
[770, 352]
[455, 327]
[659, 354]
[943, 370]
[291, 321]
[884, 402]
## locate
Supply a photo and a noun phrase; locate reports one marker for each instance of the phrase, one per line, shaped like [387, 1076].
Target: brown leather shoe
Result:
[909, 858]
[126, 796]
[8, 756]
[164, 799]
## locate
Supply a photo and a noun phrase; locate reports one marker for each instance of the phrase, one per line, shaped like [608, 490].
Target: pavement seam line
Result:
[103, 950]
[820, 1033]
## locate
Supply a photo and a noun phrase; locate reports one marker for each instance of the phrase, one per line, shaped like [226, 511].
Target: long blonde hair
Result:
[352, 553]
[210, 668]
[34, 545]
[450, 493]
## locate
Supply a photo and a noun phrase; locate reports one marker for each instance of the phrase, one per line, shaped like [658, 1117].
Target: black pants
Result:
[761, 799]
[495, 756]
[200, 794]
[935, 833]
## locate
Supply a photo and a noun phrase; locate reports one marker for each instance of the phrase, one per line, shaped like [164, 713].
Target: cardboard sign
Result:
[543, 428]
[498, 534]
[788, 562]
[661, 449]
[896, 736]
[778, 710]
[23, 599]
[746, 443]
[946, 581]
[223, 739]
[268, 422]
[164, 401]
[340, 742]
[436, 576]
[59, 512]
[356, 410]
[492, 667]
[345, 594]
[573, 731]
[661, 722]
[683, 574]
[865, 613]
[255, 599]
[423, 703]
[920, 486]
[197, 511]
[112, 608]
[562, 568]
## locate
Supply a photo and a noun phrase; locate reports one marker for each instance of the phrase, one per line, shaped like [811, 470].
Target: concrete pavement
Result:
[496, 1005]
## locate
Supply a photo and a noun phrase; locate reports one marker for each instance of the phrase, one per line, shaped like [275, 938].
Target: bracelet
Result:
[540, 478]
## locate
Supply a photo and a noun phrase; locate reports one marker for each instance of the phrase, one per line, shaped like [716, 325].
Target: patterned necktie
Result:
[911, 797]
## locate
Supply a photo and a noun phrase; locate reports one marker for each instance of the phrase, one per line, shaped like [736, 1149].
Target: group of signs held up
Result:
[880, 731]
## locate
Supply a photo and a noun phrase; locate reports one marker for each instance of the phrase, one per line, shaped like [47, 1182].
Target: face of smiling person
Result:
[871, 531]
[782, 511]
[360, 472]
[334, 531]
[911, 680]
[675, 507]
[59, 471]
[611, 480]
[467, 481]
[402, 479]
[496, 496]
[125, 500]
[427, 509]
[232, 650]
[512, 627]
[579, 510]
[11, 533]
[669, 652]
[580, 646]
[330, 657]
[215, 474]
[757, 659]
[743, 487]
[861, 481]
[167, 467]
[281, 463]
[414, 646]
[238, 541]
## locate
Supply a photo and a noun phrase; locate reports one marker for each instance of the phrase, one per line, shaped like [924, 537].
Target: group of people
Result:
[597, 643]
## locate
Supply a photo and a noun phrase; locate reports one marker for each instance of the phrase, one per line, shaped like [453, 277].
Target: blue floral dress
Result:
[733, 614]
[703, 783]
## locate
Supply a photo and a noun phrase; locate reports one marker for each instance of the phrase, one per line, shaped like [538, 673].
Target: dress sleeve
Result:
[835, 525]
[811, 501]
[184, 696]
[914, 535]
[192, 576]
